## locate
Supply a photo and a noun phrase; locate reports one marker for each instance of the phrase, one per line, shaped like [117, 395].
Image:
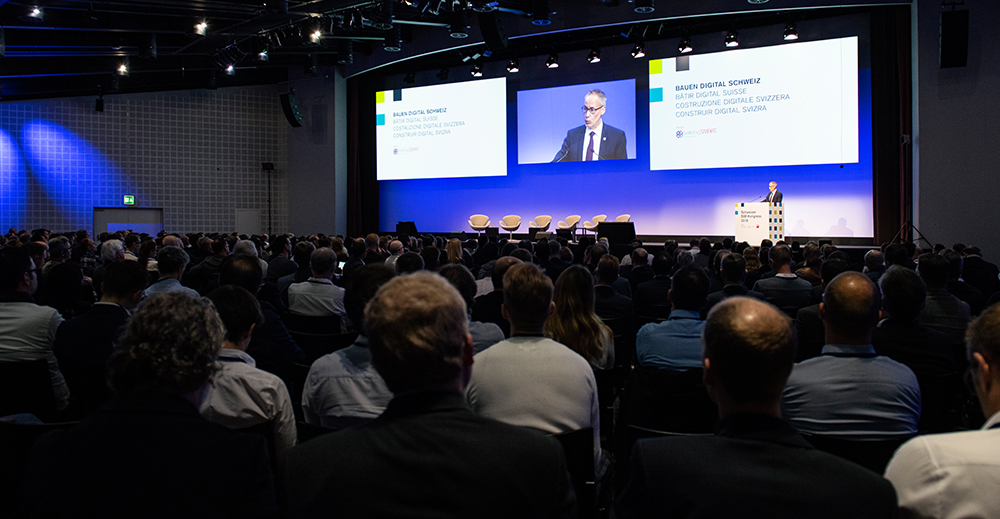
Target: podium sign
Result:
[758, 221]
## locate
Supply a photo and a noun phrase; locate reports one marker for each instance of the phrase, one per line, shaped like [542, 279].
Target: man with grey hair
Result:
[451, 462]
[318, 296]
[250, 249]
[594, 140]
[956, 474]
[395, 251]
[170, 263]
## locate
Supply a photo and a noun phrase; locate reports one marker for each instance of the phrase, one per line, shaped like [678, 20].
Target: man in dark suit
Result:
[594, 140]
[654, 291]
[980, 273]
[427, 455]
[773, 195]
[84, 344]
[148, 451]
[756, 465]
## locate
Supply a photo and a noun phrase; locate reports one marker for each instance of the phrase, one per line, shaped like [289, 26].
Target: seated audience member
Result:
[610, 303]
[956, 474]
[484, 335]
[59, 253]
[574, 322]
[850, 392]
[427, 455]
[148, 451]
[640, 272]
[756, 465]
[755, 269]
[250, 249]
[550, 259]
[811, 332]
[271, 346]
[343, 389]
[874, 264]
[395, 251]
[980, 273]
[240, 395]
[942, 310]
[957, 287]
[27, 330]
[318, 296]
[280, 264]
[409, 263]
[112, 251]
[170, 262]
[676, 342]
[84, 344]
[358, 252]
[654, 291]
[733, 271]
[66, 290]
[374, 254]
[487, 308]
[812, 261]
[131, 244]
[301, 253]
[530, 380]
[784, 290]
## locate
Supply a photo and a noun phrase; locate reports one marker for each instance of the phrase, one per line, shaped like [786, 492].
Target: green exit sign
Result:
[129, 200]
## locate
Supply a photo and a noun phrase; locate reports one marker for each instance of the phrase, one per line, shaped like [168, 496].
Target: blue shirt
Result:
[672, 344]
[851, 393]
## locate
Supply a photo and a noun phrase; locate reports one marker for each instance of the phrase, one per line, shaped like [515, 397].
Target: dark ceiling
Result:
[74, 47]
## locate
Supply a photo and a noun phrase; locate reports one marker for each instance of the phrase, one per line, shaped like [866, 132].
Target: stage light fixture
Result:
[99, 104]
[458, 29]
[477, 70]
[594, 56]
[201, 28]
[411, 78]
[230, 70]
[122, 69]
[685, 46]
[264, 53]
[791, 33]
[513, 66]
[643, 6]
[443, 75]
[316, 36]
[437, 9]
[639, 50]
[357, 22]
[732, 39]
[36, 13]
[392, 41]
[553, 61]
[382, 17]
[541, 14]
[345, 52]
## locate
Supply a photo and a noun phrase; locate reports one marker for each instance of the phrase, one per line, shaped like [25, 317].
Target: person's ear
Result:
[822, 312]
[983, 371]
[468, 351]
[552, 309]
[707, 373]
[504, 313]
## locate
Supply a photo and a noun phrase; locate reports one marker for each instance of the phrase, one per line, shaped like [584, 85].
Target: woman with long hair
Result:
[454, 250]
[574, 322]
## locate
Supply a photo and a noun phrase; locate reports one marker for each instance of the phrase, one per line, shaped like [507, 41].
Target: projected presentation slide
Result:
[442, 131]
[554, 124]
[791, 104]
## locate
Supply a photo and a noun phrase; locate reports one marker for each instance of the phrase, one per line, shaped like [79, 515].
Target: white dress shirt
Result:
[951, 475]
[597, 140]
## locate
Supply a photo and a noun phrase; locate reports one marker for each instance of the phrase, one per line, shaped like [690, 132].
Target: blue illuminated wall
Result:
[196, 154]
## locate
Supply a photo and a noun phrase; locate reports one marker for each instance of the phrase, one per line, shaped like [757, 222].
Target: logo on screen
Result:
[680, 134]
[395, 151]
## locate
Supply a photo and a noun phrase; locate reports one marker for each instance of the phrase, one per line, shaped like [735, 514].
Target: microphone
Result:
[562, 154]
[755, 199]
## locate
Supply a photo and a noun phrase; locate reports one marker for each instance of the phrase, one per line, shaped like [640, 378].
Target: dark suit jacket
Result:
[612, 145]
[969, 294]
[728, 291]
[82, 347]
[148, 455]
[486, 309]
[811, 332]
[981, 274]
[652, 292]
[636, 275]
[755, 466]
[428, 455]
[776, 199]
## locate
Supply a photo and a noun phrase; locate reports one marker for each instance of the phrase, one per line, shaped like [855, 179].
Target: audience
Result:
[487, 308]
[756, 465]
[733, 271]
[574, 322]
[811, 332]
[959, 288]
[148, 451]
[850, 392]
[609, 303]
[484, 335]
[654, 292]
[427, 455]
[956, 474]
[318, 296]
[784, 289]
[676, 343]
[170, 262]
[942, 311]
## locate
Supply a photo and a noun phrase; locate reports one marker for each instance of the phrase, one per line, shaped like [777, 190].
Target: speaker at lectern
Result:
[758, 221]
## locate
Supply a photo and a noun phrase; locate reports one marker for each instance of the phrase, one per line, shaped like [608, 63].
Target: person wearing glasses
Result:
[594, 140]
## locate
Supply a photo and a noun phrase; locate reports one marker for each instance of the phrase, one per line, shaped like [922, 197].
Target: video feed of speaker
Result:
[441, 131]
[587, 122]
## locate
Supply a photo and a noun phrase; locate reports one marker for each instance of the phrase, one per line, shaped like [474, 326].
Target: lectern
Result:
[758, 221]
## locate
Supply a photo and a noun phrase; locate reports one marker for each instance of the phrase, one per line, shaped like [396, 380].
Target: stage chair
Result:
[623, 218]
[541, 222]
[479, 222]
[510, 223]
[591, 225]
[570, 223]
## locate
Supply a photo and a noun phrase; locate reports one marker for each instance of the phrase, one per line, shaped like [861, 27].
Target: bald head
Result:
[851, 308]
[750, 346]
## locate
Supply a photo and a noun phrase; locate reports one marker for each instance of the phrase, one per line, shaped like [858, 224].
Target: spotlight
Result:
[477, 70]
[553, 61]
[315, 36]
[644, 6]
[230, 70]
[541, 14]
[731, 39]
[594, 56]
[685, 45]
[458, 28]
[639, 50]
[410, 78]
[122, 69]
[443, 75]
[791, 33]
[513, 66]
[99, 104]
[411, 3]
[392, 41]
[263, 53]
[35, 13]
[201, 28]
[382, 17]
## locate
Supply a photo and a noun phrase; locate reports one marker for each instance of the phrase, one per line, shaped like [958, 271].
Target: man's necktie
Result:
[590, 148]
